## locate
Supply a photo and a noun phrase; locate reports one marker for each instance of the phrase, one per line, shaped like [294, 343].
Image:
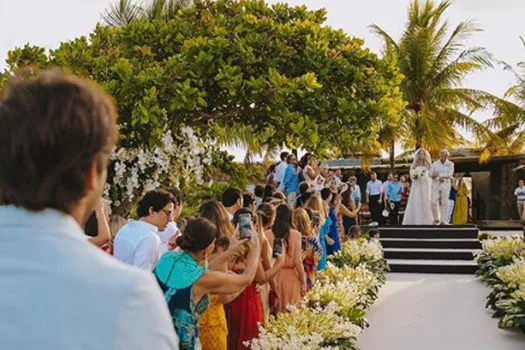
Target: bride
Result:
[419, 210]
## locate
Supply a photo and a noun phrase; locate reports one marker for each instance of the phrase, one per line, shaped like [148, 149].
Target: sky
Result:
[50, 22]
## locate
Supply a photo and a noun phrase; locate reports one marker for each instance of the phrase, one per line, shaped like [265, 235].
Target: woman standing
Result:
[214, 329]
[316, 204]
[419, 210]
[461, 206]
[291, 280]
[334, 245]
[186, 282]
[310, 245]
[406, 190]
[310, 174]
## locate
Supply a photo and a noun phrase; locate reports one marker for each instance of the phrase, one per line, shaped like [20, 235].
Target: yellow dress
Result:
[213, 329]
[460, 215]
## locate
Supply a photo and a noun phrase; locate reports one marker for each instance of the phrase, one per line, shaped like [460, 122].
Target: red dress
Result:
[244, 314]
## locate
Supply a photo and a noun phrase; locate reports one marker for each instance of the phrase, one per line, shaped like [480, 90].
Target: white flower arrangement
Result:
[417, 173]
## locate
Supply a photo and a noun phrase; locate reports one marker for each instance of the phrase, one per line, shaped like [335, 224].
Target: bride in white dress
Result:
[419, 209]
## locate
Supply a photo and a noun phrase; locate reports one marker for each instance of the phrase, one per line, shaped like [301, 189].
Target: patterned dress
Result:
[314, 251]
[176, 274]
[213, 326]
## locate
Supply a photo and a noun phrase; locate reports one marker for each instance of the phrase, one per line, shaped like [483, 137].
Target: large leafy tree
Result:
[218, 66]
[434, 60]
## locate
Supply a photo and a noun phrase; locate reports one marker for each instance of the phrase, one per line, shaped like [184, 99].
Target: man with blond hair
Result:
[442, 173]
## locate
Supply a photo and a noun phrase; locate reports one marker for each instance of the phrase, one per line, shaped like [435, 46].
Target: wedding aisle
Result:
[435, 312]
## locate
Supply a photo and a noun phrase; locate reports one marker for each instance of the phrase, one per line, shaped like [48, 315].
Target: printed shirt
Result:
[520, 193]
[394, 190]
[374, 188]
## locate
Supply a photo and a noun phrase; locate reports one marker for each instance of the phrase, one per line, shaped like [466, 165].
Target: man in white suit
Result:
[442, 173]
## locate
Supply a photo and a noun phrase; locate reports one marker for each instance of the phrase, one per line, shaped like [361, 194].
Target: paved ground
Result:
[435, 312]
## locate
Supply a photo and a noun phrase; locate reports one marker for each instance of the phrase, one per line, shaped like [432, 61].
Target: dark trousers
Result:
[394, 213]
[375, 209]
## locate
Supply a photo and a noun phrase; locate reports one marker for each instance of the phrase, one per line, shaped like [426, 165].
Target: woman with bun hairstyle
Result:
[186, 281]
[291, 280]
[213, 325]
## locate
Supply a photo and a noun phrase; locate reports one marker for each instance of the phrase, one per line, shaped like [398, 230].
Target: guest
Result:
[232, 200]
[406, 190]
[303, 189]
[394, 191]
[355, 232]
[337, 178]
[115, 224]
[374, 236]
[355, 197]
[97, 228]
[389, 180]
[311, 247]
[452, 198]
[309, 171]
[138, 243]
[246, 311]
[461, 208]
[291, 280]
[268, 193]
[374, 198]
[187, 283]
[57, 290]
[349, 219]
[334, 245]
[170, 233]
[248, 201]
[270, 175]
[281, 172]
[291, 181]
[316, 204]
[278, 198]
[520, 196]
[214, 329]
[259, 194]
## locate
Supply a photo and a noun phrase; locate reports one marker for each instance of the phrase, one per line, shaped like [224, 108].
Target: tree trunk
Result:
[392, 155]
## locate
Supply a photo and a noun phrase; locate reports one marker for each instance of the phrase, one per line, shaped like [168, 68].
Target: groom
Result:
[442, 172]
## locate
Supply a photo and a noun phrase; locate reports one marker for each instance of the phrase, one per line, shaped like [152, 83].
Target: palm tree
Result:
[435, 64]
[124, 12]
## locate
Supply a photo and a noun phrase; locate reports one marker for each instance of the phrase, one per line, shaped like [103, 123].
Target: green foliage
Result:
[277, 69]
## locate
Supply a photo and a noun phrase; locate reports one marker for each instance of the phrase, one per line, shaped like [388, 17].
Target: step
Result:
[436, 243]
[429, 254]
[432, 266]
[427, 226]
[428, 232]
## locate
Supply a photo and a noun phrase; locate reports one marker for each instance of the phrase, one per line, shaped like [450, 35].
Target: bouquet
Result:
[417, 173]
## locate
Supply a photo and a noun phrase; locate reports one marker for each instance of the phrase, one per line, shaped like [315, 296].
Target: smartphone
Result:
[316, 220]
[277, 247]
[304, 244]
[245, 225]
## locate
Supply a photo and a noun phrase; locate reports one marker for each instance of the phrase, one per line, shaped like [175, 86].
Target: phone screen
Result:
[277, 246]
[316, 220]
[304, 244]
[245, 224]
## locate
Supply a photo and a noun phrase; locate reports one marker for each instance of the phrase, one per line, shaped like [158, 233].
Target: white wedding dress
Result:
[419, 209]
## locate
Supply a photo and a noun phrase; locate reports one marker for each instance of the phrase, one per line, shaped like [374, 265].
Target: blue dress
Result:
[334, 235]
[325, 229]
[176, 274]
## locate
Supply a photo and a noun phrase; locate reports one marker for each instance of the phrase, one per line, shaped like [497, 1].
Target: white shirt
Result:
[445, 170]
[138, 244]
[60, 292]
[520, 193]
[171, 230]
[279, 174]
[385, 186]
[374, 188]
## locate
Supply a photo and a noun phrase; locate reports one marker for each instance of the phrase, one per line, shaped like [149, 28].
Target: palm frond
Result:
[122, 13]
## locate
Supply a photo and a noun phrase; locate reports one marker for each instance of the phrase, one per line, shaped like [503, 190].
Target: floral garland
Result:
[332, 316]
[139, 169]
[501, 264]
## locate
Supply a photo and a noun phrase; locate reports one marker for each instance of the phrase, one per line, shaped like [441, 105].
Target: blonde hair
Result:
[316, 203]
[301, 221]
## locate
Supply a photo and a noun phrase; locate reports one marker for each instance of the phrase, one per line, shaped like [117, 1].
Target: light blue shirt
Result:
[393, 191]
[58, 291]
[291, 180]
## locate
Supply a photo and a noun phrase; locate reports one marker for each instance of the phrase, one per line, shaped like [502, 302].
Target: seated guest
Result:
[259, 194]
[232, 200]
[168, 235]
[187, 283]
[138, 243]
[374, 235]
[58, 291]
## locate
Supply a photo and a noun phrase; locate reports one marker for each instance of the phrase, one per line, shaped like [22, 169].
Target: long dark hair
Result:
[305, 160]
[283, 222]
